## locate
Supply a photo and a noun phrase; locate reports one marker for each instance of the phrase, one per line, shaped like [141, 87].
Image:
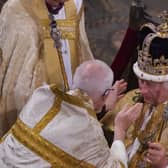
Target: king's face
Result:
[150, 91]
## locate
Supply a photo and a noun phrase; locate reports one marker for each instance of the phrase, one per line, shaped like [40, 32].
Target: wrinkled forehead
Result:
[151, 83]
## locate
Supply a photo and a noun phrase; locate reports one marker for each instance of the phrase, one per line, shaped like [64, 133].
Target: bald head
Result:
[93, 77]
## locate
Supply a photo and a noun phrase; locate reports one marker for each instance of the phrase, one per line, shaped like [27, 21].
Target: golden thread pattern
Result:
[76, 100]
[46, 150]
[31, 138]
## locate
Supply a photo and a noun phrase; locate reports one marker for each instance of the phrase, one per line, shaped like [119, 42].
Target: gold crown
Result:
[146, 62]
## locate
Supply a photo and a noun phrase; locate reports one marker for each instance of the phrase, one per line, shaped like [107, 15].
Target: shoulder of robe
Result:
[64, 96]
[14, 11]
[79, 99]
[43, 88]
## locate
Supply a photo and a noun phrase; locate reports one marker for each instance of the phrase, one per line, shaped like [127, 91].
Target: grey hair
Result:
[93, 77]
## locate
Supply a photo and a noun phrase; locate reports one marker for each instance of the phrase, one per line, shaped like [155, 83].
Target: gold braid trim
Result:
[56, 108]
[151, 133]
[43, 148]
[48, 116]
[75, 48]
[75, 100]
[67, 28]
[39, 145]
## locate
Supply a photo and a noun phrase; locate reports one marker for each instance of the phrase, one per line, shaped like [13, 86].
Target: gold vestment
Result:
[28, 56]
[149, 134]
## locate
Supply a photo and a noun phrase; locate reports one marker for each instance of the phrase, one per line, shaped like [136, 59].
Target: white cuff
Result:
[118, 150]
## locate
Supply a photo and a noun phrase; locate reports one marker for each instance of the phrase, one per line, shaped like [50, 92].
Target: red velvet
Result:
[56, 9]
[125, 52]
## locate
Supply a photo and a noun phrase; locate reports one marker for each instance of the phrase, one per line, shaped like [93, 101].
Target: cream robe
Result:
[23, 67]
[73, 130]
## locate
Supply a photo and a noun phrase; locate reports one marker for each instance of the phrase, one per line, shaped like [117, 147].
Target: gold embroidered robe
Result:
[137, 137]
[28, 56]
[55, 129]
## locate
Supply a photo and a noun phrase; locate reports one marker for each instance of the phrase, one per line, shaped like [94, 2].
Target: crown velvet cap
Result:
[152, 62]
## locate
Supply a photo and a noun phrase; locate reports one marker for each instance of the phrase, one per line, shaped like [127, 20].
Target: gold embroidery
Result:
[46, 150]
[150, 134]
[69, 29]
[76, 100]
[56, 108]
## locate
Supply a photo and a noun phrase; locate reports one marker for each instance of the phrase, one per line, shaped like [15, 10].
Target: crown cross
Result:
[163, 28]
[164, 16]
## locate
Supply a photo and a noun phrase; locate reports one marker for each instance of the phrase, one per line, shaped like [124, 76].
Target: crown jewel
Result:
[153, 54]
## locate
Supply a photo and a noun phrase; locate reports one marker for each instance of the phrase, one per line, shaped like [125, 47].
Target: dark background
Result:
[107, 21]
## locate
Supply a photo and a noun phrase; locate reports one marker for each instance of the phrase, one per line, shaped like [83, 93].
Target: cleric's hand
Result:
[124, 119]
[115, 93]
